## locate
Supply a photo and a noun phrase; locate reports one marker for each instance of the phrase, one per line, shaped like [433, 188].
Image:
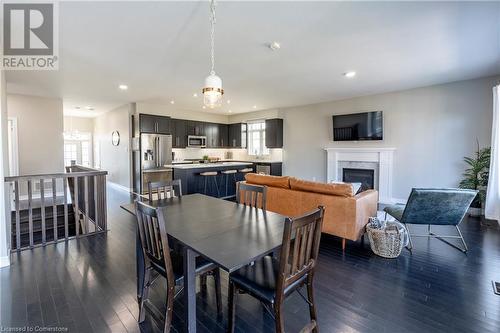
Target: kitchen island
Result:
[193, 182]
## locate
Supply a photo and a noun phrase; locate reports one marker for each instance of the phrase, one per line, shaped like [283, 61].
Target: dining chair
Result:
[169, 188]
[169, 264]
[271, 280]
[251, 195]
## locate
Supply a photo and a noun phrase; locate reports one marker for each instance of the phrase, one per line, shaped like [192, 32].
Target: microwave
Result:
[197, 141]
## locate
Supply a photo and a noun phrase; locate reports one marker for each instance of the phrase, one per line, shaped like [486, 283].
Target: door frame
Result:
[13, 146]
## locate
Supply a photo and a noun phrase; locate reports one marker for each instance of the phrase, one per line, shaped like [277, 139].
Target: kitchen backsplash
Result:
[238, 154]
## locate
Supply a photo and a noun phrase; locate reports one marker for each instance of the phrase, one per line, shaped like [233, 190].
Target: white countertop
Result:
[206, 165]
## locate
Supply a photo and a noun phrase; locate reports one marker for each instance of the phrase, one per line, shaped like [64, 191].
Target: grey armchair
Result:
[431, 206]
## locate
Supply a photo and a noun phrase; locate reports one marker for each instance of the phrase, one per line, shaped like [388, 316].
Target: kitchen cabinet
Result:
[154, 124]
[274, 133]
[212, 134]
[269, 168]
[237, 135]
[223, 135]
[179, 133]
[195, 127]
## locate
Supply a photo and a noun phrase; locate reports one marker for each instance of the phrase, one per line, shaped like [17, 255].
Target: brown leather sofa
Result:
[345, 215]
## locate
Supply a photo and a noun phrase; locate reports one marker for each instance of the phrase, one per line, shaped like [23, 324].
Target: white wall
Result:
[174, 112]
[115, 159]
[81, 124]
[40, 133]
[4, 170]
[432, 128]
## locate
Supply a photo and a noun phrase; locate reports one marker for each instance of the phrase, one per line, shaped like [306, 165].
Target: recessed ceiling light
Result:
[90, 108]
[77, 107]
[195, 95]
[229, 111]
[274, 45]
[172, 102]
[228, 101]
[255, 106]
[203, 107]
[350, 74]
[123, 87]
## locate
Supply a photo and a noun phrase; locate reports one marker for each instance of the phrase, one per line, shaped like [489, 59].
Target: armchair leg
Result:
[343, 244]
[462, 239]
[409, 239]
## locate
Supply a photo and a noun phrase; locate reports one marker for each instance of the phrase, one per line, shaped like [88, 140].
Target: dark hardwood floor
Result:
[88, 285]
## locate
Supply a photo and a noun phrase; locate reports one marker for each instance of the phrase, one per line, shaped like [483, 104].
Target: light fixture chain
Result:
[212, 35]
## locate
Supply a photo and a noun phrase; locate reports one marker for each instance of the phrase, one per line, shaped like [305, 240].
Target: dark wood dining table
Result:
[229, 234]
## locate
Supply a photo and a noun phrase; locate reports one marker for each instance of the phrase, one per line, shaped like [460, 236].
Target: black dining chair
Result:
[271, 280]
[251, 195]
[166, 263]
[165, 189]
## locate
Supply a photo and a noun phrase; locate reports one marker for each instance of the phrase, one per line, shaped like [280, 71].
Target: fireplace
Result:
[364, 176]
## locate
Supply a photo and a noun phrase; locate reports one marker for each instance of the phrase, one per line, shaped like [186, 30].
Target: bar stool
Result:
[244, 171]
[226, 173]
[207, 175]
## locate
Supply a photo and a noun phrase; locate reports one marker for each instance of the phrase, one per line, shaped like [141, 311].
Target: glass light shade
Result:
[212, 91]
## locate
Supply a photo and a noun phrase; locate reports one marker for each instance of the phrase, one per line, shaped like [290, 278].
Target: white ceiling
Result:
[161, 51]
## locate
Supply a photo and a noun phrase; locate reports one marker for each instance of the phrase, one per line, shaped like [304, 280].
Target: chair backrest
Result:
[300, 247]
[437, 206]
[251, 195]
[154, 239]
[169, 188]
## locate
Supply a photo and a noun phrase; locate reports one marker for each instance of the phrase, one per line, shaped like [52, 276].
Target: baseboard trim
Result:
[4, 261]
[119, 187]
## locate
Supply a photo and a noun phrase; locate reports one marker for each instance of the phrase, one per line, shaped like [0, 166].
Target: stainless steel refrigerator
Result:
[156, 153]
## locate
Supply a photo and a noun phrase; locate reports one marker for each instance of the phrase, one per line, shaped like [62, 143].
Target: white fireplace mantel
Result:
[383, 156]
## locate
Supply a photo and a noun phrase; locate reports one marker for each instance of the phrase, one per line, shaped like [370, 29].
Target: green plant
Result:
[205, 157]
[475, 177]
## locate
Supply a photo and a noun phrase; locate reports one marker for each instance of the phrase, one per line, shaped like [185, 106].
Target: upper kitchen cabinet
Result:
[195, 127]
[223, 135]
[212, 134]
[154, 124]
[274, 133]
[237, 135]
[179, 133]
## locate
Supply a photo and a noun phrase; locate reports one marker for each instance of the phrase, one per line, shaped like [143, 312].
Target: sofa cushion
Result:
[344, 189]
[272, 181]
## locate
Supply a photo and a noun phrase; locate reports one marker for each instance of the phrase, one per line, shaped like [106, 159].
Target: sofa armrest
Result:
[366, 207]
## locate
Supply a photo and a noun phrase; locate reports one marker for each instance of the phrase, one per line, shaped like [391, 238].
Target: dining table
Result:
[229, 234]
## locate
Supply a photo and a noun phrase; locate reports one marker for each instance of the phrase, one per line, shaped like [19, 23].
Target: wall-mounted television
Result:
[358, 126]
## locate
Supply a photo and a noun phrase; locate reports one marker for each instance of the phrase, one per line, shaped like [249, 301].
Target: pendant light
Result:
[212, 91]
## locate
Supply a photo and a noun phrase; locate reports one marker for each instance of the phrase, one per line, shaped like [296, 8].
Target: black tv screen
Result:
[358, 126]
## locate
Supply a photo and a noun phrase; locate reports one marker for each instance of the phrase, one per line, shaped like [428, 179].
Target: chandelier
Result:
[212, 91]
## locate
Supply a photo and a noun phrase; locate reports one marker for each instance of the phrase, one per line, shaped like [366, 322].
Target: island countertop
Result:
[206, 165]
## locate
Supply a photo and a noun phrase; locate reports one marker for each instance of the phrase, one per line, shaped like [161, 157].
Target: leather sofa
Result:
[346, 215]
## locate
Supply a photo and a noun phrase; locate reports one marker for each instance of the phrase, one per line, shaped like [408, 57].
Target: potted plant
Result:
[475, 177]
[205, 159]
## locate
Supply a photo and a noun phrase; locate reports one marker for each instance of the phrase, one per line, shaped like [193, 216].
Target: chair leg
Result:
[278, 318]
[312, 306]
[216, 186]
[170, 309]
[409, 238]
[218, 296]
[231, 307]
[145, 291]
[343, 244]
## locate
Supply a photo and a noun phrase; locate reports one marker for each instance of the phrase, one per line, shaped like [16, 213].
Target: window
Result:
[70, 153]
[257, 138]
[78, 148]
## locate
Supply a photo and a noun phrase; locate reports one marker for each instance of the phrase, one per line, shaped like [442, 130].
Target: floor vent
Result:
[496, 287]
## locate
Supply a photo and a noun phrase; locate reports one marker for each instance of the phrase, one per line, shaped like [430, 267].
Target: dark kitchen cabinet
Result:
[237, 135]
[274, 133]
[154, 124]
[212, 134]
[179, 133]
[223, 135]
[195, 127]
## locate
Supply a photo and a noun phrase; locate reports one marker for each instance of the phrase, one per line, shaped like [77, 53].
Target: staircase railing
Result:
[81, 189]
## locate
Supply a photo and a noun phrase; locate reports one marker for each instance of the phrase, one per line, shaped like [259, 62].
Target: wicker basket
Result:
[388, 241]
